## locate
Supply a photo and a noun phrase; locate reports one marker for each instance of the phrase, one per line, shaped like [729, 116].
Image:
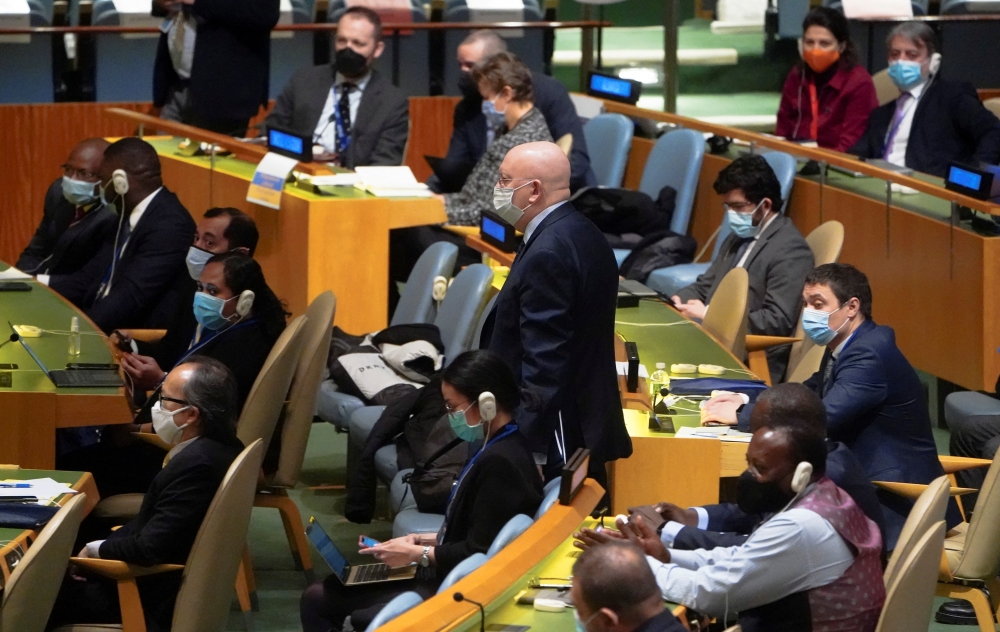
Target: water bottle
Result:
[74, 336]
[658, 380]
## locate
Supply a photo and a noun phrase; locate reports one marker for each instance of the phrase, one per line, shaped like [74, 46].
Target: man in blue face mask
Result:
[764, 242]
[74, 223]
[933, 121]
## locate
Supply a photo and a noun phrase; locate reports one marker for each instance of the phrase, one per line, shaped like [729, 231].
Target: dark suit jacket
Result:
[59, 248]
[180, 330]
[502, 483]
[777, 267]
[468, 138]
[230, 72]
[379, 134]
[728, 525]
[950, 123]
[554, 326]
[172, 512]
[144, 289]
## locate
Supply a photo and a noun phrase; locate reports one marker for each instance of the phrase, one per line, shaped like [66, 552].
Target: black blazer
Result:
[144, 289]
[59, 248]
[950, 123]
[379, 134]
[468, 138]
[230, 72]
[502, 483]
[554, 325]
[168, 521]
[180, 330]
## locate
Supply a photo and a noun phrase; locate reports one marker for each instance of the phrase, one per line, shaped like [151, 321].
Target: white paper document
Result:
[622, 368]
[390, 182]
[269, 180]
[137, 13]
[713, 432]
[854, 9]
[44, 489]
[13, 274]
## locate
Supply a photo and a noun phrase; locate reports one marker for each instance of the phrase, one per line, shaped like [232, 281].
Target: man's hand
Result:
[670, 511]
[146, 374]
[721, 410]
[73, 571]
[396, 552]
[641, 534]
[586, 538]
[693, 309]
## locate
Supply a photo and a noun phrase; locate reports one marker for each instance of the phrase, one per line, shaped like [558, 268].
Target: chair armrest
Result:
[152, 439]
[757, 343]
[118, 570]
[952, 464]
[145, 335]
[913, 490]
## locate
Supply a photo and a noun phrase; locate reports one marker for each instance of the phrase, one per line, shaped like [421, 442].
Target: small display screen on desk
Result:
[280, 140]
[614, 88]
[497, 232]
[493, 229]
[965, 178]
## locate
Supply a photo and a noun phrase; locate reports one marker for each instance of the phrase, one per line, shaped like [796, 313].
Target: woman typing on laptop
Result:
[498, 482]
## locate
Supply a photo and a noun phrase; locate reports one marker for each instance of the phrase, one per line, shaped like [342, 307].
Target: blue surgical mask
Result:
[742, 223]
[581, 626]
[816, 324]
[110, 205]
[196, 260]
[461, 426]
[906, 74]
[78, 192]
[208, 311]
[494, 117]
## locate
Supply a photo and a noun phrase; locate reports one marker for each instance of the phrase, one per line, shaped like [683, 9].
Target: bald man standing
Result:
[554, 321]
[74, 222]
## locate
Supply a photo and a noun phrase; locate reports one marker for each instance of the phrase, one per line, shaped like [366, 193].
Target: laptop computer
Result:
[353, 575]
[95, 378]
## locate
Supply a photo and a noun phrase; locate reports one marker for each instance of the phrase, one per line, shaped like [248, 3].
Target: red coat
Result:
[845, 102]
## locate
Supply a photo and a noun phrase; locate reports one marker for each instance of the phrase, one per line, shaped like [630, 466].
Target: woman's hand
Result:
[396, 552]
[586, 538]
[146, 374]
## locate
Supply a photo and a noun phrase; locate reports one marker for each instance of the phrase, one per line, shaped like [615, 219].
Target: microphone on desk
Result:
[482, 613]
[13, 338]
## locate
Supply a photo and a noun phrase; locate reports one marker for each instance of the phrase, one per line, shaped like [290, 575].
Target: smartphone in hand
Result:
[369, 542]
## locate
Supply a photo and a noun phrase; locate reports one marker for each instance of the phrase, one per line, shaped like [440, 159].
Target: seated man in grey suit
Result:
[766, 243]
[350, 110]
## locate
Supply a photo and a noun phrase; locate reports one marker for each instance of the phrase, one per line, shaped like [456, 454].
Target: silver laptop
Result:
[93, 378]
[353, 575]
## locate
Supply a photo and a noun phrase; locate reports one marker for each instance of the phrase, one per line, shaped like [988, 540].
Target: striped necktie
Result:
[897, 122]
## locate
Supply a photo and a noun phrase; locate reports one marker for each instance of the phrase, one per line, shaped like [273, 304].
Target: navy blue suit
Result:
[728, 525]
[468, 138]
[554, 325]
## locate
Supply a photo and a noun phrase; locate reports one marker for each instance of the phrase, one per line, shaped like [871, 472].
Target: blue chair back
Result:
[462, 569]
[459, 314]
[416, 305]
[612, 133]
[394, 608]
[477, 337]
[551, 497]
[514, 527]
[783, 166]
[675, 161]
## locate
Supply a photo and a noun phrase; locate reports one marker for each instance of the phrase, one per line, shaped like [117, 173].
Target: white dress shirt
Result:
[182, 59]
[671, 528]
[760, 231]
[133, 221]
[325, 133]
[897, 153]
[794, 551]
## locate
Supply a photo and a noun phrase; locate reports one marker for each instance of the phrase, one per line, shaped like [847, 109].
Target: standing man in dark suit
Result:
[355, 114]
[74, 223]
[476, 123]
[213, 62]
[766, 243]
[873, 398]
[132, 282]
[554, 322]
[934, 121]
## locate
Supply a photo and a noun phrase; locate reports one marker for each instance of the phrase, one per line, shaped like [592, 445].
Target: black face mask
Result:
[755, 497]
[350, 63]
[467, 86]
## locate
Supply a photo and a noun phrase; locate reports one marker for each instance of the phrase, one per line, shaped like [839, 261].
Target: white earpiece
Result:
[245, 303]
[803, 474]
[439, 288]
[935, 64]
[487, 406]
[800, 46]
[120, 181]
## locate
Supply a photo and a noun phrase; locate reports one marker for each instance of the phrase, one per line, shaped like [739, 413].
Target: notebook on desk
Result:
[102, 378]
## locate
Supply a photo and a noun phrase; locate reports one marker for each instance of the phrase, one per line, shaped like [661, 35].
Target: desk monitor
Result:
[981, 183]
[497, 232]
[573, 475]
[613, 88]
[288, 143]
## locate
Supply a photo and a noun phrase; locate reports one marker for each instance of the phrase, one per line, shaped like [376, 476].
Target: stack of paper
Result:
[390, 182]
[13, 274]
[44, 489]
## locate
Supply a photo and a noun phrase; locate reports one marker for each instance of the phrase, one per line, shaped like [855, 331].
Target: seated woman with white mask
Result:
[498, 482]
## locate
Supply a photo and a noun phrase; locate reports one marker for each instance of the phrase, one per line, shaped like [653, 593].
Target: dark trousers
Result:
[407, 244]
[92, 601]
[325, 605]
[976, 437]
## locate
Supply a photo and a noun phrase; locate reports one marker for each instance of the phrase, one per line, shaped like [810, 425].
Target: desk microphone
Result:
[482, 613]
[13, 338]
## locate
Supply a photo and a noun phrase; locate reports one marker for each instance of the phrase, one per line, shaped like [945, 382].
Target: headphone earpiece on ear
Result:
[487, 406]
[803, 474]
[245, 303]
[799, 42]
[120, 181]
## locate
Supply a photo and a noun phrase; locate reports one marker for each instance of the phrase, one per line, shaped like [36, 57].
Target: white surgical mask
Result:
[164, 425]
[505, 208]
[196, 260]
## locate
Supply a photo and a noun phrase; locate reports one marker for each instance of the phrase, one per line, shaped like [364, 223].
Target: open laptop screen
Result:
[30, 351]
[326, 547]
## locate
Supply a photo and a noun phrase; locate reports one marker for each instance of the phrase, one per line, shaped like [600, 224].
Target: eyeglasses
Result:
[79, 174]
[738, 206]
[161, 399]
[506, 182]
[449, 409]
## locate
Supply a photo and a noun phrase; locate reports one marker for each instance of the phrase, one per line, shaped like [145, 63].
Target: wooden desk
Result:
[32, 409]
[315, 242]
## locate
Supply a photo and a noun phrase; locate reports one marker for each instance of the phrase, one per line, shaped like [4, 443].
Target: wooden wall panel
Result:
[636, 162]
[430, 130]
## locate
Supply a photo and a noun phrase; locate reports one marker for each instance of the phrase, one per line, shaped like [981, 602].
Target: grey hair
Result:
[916, 32]
[492, 42]
[211, 389]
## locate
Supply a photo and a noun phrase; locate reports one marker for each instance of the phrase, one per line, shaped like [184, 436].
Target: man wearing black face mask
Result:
[354, 114]
[813, 564]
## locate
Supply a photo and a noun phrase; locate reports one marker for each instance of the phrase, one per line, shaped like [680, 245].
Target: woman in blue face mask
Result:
[499, 481]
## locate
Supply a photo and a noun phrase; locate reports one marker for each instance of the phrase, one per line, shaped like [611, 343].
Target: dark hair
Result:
[367, 14]
[846, 282]
[804, 444]
[478, 371]
[916, 32]
[243, 273]
[835, 22]
[753, 176]
[136, 157]
[505, 69]
[616, 576]
[491, 40]
[789, 404]
[212, 390]
[242, 230]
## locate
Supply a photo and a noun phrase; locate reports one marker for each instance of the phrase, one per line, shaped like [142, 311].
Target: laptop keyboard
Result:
[372, 573]
[86, 378]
